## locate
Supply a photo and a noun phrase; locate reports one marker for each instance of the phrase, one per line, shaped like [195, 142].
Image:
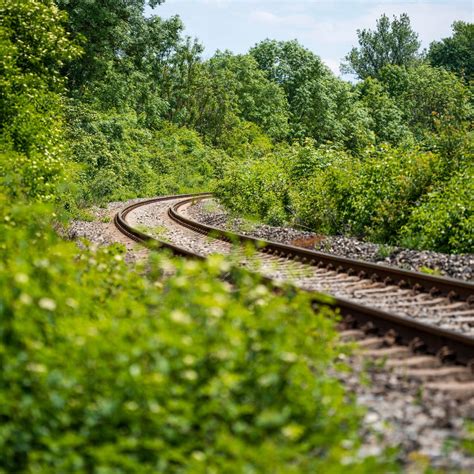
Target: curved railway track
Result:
[425, 313]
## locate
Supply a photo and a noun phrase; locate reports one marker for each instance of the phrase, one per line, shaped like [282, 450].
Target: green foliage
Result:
[258, 100]
[241, 190]
[444, 218]
[427, 97]
[387, 118]
[104, 27]
[132, 63]
[322, 106]
[367, 197]
[320, 199]
[468, 442]
[329, 111]
[243, 141]
[226, 95]
[456, 53]
[389, 195]
[105, 370]
[268, 187]
[391, 43]
[143, 65]
[120, 159]
[389, 184]
[33, 49]
[288, 64]
[169, 368]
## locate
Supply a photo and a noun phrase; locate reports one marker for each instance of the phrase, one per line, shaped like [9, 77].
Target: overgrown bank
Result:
[399, 196]
[279, 136]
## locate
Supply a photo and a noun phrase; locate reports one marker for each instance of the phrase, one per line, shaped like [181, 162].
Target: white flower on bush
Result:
[21, 278]
[47, 304]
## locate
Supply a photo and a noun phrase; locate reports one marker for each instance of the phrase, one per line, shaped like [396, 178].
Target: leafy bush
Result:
[377, 195]
[389, 184]
[373, 195]
[121, 160]
[104, 370]
[257, 187]
[321, 198]
[33, 49]
[426, 95]
[444, 219]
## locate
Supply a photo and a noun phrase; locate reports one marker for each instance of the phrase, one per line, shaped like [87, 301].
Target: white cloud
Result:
[287, 21]
[306, 26]
[430, 20]
[267, 18]
[216, 3]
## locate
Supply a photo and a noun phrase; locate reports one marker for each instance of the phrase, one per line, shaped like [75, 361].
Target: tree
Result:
[456, 54]
[225, 91]
[34, 47]
[288, 64]
[104, 27]
[321, 106]
[258, 99]
[387, 120]
[392, 43]
[427, 97]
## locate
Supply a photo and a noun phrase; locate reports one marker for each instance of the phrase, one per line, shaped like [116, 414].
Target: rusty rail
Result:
[458, 347]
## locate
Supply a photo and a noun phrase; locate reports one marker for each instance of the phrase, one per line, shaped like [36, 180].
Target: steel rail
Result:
[433, 339]
[145, 239]
[433, 284]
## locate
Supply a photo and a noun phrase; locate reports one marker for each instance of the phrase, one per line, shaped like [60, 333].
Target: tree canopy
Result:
[455, 53]
[391, 43]
[321, 106]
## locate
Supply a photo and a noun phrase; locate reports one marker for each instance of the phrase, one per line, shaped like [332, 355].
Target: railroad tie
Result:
[447, 374]
[388, 352]
[457, 390]
[414, 362]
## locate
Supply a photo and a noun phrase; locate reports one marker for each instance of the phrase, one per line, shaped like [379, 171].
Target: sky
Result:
[328, 28]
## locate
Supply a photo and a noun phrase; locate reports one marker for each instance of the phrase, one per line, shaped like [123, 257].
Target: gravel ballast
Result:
[101, 230]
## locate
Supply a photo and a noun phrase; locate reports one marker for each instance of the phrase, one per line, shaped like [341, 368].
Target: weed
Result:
[430, 271]
[384, 251]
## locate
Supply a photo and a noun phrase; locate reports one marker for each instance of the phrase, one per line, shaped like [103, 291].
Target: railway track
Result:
[417, 321]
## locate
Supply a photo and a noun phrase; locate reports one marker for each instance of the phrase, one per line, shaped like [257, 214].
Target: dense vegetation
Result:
[147, 115]
[107, 368]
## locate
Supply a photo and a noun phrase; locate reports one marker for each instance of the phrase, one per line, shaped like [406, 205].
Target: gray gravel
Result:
[100, 230]
[456, 266]
[426, 426]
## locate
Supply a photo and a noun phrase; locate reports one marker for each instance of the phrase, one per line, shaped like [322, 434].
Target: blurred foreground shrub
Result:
[106, 370]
